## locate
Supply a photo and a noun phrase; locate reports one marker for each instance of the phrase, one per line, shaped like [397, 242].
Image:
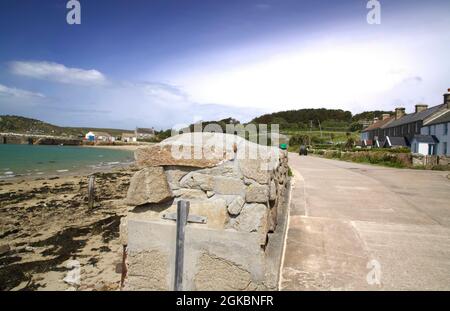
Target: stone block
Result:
[175, 173]
[235, 207]
[148, 185]
[198, 181]
[257, 194]
[255, 170]
[253, 218]
[190, 194]
[167, 155]
[228, 186]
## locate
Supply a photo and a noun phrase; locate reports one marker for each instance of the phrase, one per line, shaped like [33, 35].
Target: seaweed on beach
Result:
[62, 246]
[52, 220]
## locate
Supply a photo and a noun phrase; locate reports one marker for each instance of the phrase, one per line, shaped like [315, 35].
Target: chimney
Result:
[375, 120]
[399, 112]
[386, 116]
[447, 99]
[421, 107]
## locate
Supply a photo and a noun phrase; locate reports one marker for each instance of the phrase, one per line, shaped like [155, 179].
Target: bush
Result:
[385, 158]
[441, 168]
[298, 140]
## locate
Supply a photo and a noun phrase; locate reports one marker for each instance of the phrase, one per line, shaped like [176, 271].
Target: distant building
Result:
[144, 133]
[424, 144]
[94, 136]
[395, 142]
[409, 130]
[129, 137]
[370, 136]
[436, 129]
[365, 123]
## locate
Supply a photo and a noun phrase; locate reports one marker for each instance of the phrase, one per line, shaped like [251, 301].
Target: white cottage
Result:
[99, 136]
[424, 144]
[437, 126]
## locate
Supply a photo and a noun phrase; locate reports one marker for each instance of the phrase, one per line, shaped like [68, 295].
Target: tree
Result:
[355, 126]
[350, 143]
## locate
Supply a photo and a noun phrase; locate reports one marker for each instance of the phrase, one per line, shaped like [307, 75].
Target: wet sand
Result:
[120, 147]
[45, 222]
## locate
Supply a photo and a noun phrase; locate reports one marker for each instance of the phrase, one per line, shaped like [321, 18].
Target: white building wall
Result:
[423, 148]
[364, 135]
[438, 131]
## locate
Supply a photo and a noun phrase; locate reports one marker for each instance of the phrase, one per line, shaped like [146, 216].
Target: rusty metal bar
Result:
[182, 216]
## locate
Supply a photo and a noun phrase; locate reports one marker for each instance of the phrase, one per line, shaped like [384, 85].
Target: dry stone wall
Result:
[237, 192]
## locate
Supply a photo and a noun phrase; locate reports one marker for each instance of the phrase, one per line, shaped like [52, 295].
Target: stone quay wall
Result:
[243, 198]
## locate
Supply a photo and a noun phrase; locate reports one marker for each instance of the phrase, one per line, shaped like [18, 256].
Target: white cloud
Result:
[57, 72]
[325, 76]
[6, 91]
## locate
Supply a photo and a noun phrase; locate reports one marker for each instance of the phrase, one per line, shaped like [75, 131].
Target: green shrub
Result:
[441, 168]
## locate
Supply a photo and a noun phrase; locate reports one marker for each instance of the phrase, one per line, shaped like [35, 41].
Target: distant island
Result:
[23, 125]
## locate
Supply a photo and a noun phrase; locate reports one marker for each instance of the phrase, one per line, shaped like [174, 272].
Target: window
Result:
[444, 148]
[445, 128]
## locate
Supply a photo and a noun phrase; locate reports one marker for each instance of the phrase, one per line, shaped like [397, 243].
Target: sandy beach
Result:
[45, 223]
[119, 147]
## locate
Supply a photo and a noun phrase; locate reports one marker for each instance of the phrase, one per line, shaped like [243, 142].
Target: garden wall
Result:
[244, 199]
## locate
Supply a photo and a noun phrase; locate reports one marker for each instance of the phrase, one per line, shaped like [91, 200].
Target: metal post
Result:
[91, 190]
[182, 216]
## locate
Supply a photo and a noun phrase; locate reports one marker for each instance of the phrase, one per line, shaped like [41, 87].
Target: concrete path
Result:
[352, 226]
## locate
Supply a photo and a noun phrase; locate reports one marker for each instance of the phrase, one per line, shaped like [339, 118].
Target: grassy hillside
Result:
[303, 119]
[370, 115]
[22, 125]
[325, 120]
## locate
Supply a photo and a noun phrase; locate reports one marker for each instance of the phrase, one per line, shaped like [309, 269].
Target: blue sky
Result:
[162, 63]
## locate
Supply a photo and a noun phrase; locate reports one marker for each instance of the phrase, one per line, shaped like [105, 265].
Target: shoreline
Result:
[115, 147]
[14, 174]
[82, 172]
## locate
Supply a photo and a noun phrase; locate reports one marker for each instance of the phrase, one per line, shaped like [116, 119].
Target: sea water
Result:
[36, 160]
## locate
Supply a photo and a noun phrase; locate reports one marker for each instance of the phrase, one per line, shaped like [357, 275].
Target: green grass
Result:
[290, 173]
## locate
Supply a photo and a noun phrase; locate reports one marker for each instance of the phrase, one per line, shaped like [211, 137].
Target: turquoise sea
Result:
[32, 160]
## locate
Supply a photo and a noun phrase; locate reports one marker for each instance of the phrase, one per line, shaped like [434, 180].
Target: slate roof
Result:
[378, 124]
[444, 118]
[428, 139]
[414, 117]
[397, 141]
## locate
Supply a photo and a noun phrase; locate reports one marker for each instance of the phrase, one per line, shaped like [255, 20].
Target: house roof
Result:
[378, 124]
[100, 133]
[414, 117]
[128, 135]
[428, 139]
[443, 118]
[367, 142]
[397, 141]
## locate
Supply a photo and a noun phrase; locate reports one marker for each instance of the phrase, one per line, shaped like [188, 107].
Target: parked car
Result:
[303, 150]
